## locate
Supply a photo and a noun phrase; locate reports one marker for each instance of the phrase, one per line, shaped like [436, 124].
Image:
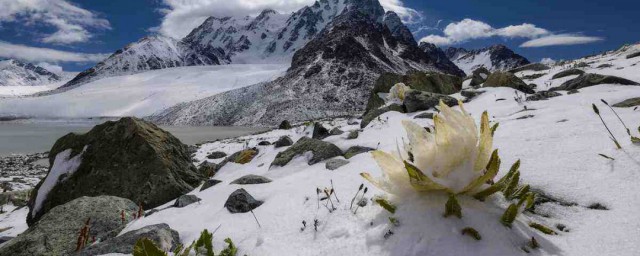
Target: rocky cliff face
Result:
[493, 58]
[18, 73]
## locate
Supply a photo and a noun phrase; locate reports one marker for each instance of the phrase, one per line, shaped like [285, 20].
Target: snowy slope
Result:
[496, 57]
[17, 73]
[140, 94]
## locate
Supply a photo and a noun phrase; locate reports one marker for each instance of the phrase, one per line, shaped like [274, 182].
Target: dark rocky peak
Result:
[397, 28]
[440, 59]
[371, 8]
[455, 52]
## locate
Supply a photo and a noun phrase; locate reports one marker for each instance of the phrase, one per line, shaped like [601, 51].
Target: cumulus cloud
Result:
[53, 68]
[547, 61]
[468, 29]
[561, 39]
[36, 54]
[71, 23]
[182, 16]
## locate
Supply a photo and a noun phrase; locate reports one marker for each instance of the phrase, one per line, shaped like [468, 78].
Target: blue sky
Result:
[75, 34]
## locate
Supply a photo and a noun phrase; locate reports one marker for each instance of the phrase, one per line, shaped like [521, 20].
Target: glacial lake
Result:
[35, 136]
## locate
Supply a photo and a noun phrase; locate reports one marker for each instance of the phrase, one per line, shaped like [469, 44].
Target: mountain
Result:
[332, 75]
[440, 58]
[496, 57]
[17, 73]
[149, 53]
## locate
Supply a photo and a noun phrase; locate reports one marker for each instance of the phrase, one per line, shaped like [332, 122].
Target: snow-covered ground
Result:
[11, 91]
[140, 94]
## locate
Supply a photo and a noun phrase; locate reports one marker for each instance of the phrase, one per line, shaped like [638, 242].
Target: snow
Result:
[141, 94]
[472, 62]
[63, 166]
[15, 218]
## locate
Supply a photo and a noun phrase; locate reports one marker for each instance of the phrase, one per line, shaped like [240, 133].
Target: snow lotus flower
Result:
[396, 93]
[455, 157]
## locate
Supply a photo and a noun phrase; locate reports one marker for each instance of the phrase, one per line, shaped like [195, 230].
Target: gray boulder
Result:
[319, 131]
[285, 125]
[470, 94]
[216, 155]
[161, 234]
[628, 103]
[543, 95]
[264, 143]
[633, 55]
[321, 150]
[56, 233]
[573, 91]
[336, 131]
[587, 80]
[333, 164]
[243, 156]
[251, 179]
[209, 169]
[424, 116]
[373, 114]
[356, 150]
[418, 100]
[240, 201]
[570, 72]
[128, 158]
[353, 135]
[283, 142]
[532, 66]
[479, 76]
[506, 79]
[185, 200]
[209, 183]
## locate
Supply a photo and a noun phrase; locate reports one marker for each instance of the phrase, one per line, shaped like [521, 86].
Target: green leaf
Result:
[204, 243]
[499, 185]
[386, 204]
[420, 181]
[512, 185]
[231, 249]
[492, 171]
[542, 228]
[494, 128]
[527, 200]
[452, 207]
[520, 192]
[509, 215]
[146, 247]
[472, 233]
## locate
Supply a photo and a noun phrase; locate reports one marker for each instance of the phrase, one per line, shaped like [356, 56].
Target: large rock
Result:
[319, 131]
[321, 150]
[57, 231]
[243, 156]
[209, 169]
[161, 234]
[333, 164]
[371, 115]
[251, 179]
[587, 80]
[421, 81]
[285, 125]
[283, 142]
[479, 76]
[216, 155]
[543, 95]
[532, 67]
[185, 200]
[633, 55]
[129, 158]
[570, 72]
[356, 150]
[209, 183]
[418, 100]
[240, 201]
[506, 79]
[628, 103]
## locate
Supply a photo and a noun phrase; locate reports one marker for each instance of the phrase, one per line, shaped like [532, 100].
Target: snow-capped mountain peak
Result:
[495, 57]
[17, 73]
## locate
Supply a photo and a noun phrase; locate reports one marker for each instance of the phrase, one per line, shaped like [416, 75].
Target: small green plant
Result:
[452, 207]
[469, 231]
[146, 247]
[384, 203]
[509, 215]
[203, 246]
[613, 138]
[542, 228]
[633, 139]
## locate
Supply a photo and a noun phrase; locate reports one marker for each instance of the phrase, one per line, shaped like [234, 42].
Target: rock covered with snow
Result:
[320, 150]
[129, 158]
[17, 73]
[587, 80]
[161, 234]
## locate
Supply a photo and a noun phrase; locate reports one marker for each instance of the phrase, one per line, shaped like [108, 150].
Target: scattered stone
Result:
[216, 155]
[628, 103]
[185, 200]
[355, 150]
[562, 120]
[424, 116]
[418, 100]
[587, 80]
[321, 150]
[152, 166]
[506, 79]
[633, 55]
[581, 65]
[353, 121]
[283, 142]
[333, 164]
[240, 201]
[543, 95]
[606, 65]
[569, 72]
[470, 94]
[573, 91]
[336, 131]
[525, 117]
[161, 234]
[251, 179]
[264, 143]
[209, 169]
[243, 156]
[597, 206]
[533, 76]
[319, 131]
[150, 212]
[353, 135]
[285, 125]
[532, 67]
[373, 114]
[60, 225]
[209, 183]
[562, 227]
[479, 76]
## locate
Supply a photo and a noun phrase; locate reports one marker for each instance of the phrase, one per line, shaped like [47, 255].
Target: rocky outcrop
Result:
[128, 158]
[507, 79]
[587, 80]
[240, 201]
[161, 235]
[356, 150]
[185, 200]
[543, 95]
[371, 115]
[57, 231]
[209, 183]
[251, 179]
[415, 100]
[565, 73]
[333, 164]
[531, 67]
[283, 141]
[319, 131]
[479, 76]
[632, 102]
[321, 150]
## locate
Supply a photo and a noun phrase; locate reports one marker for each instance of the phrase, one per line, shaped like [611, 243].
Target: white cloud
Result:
[561, 39]
[71, 22]
[468, 29]
[182, 16]
[36, 54]
[53, 68]
[547, 61]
